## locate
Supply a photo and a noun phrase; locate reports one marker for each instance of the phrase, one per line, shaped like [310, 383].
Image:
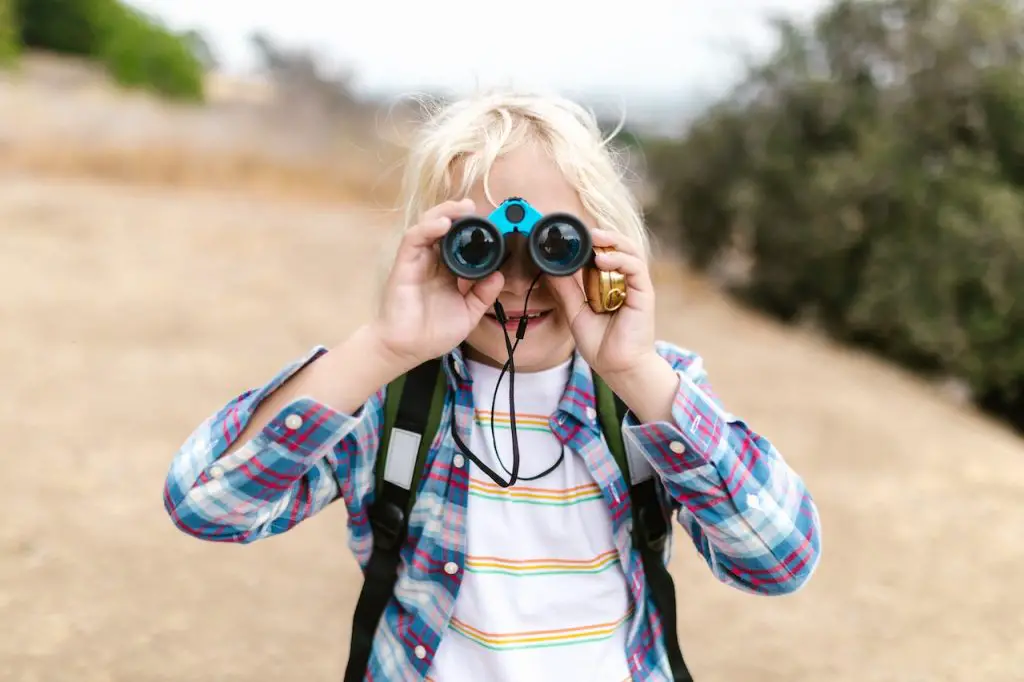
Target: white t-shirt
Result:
[544, 597]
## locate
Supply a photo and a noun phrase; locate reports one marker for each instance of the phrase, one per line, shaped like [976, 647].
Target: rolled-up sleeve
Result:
[746, 510]
[302, 460]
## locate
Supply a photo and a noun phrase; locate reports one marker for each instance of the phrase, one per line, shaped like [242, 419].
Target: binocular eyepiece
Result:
[474, 247]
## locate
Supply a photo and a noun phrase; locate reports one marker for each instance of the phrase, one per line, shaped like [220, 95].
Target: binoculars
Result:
[559, 245]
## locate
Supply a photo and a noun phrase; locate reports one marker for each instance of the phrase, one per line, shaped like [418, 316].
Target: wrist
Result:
[648, 387]
[347, 375]
[380, 363]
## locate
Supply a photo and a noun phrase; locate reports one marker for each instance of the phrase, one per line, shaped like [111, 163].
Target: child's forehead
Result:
[529, 173]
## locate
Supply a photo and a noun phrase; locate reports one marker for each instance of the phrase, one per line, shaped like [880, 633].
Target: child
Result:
[536, 581]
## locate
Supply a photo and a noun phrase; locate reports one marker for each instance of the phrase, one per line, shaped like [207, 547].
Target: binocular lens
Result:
[560, 247]
[559, 243]
[473, 249]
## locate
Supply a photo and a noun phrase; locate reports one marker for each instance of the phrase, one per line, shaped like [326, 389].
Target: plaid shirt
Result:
[745, 510]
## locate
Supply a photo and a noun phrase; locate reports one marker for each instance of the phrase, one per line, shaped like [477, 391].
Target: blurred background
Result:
[193, 194]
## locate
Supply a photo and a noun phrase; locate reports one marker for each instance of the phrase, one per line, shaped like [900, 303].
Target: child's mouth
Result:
[533, 317]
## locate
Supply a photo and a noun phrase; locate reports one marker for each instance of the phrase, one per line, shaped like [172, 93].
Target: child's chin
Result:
[537, 350]
[541, 354]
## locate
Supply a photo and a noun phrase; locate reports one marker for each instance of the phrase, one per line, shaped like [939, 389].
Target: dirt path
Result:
[129, 315]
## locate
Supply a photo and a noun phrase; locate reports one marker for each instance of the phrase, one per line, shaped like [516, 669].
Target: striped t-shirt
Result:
[544, 597]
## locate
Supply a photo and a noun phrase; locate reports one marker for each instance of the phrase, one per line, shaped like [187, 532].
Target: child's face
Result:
[528, 173]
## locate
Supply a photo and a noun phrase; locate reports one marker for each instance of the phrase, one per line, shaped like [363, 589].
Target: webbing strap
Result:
[611, 411]
[412, 413]
[411, 420]
[650, 527]
[649, 536]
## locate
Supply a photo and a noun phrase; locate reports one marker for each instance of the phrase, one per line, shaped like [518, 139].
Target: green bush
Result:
[65, 26]
[9, 42]
[136, 49]
[140, 53]
[871, 172]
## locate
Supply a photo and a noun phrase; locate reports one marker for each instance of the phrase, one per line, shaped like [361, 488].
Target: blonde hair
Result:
[459, 143]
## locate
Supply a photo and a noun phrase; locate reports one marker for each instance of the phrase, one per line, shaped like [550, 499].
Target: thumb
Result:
[482, 295]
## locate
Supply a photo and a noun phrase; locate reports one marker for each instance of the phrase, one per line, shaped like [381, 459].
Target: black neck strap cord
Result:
[510, 367]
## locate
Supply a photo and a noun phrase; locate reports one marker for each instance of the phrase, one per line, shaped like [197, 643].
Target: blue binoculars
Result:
[474, 247]
[559, 244]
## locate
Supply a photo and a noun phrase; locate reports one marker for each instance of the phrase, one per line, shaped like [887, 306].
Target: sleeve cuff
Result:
[693, 436]
[306, 427]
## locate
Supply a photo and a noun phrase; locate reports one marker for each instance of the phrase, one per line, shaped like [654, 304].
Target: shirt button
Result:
[293, 421]
[591, 413]
[677, 447]
[216, 471]
[420, 652]
[451, 568]
[459, 461]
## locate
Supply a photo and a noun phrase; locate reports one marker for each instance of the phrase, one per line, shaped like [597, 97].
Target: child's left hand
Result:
[611, 343]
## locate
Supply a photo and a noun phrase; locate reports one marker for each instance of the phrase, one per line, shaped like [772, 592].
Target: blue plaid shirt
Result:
[746, 511]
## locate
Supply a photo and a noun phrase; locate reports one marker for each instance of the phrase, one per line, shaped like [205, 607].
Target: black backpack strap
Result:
[651, 527]
[412, 414]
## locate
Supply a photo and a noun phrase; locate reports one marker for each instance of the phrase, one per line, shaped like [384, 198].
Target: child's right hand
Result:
[426, 311]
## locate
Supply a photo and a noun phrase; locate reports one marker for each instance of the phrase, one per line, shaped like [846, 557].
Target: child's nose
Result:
[519, 269]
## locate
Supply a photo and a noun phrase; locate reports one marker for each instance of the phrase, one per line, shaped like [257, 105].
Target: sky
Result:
[656, 50]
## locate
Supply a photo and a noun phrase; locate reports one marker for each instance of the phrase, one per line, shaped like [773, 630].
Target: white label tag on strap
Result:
[402, 450]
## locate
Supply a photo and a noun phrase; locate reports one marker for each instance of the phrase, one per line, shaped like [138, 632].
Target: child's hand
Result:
[426, 311]
[611, 343]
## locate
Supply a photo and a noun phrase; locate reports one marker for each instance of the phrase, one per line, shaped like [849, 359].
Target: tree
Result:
[200, 49]
[871, 172]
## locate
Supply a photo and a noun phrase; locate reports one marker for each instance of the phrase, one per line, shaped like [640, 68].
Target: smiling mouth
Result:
[533, 317]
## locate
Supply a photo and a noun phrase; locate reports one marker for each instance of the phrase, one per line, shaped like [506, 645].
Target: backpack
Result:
[412, 415]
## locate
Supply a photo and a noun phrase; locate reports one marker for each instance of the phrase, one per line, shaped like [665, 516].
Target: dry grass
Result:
[64, 118]
[245, 171]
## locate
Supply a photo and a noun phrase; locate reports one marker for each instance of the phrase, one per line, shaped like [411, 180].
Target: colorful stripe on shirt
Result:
[530, 495]
[503, 421]
[512, 641]
[522, 568]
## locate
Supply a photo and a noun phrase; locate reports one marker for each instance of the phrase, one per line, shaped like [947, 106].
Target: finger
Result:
[614, 240]
[449, 209]
[632, 268]
[483, 293]
[435, 223]
[464, 285]
[426, 234]
[570, 297]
